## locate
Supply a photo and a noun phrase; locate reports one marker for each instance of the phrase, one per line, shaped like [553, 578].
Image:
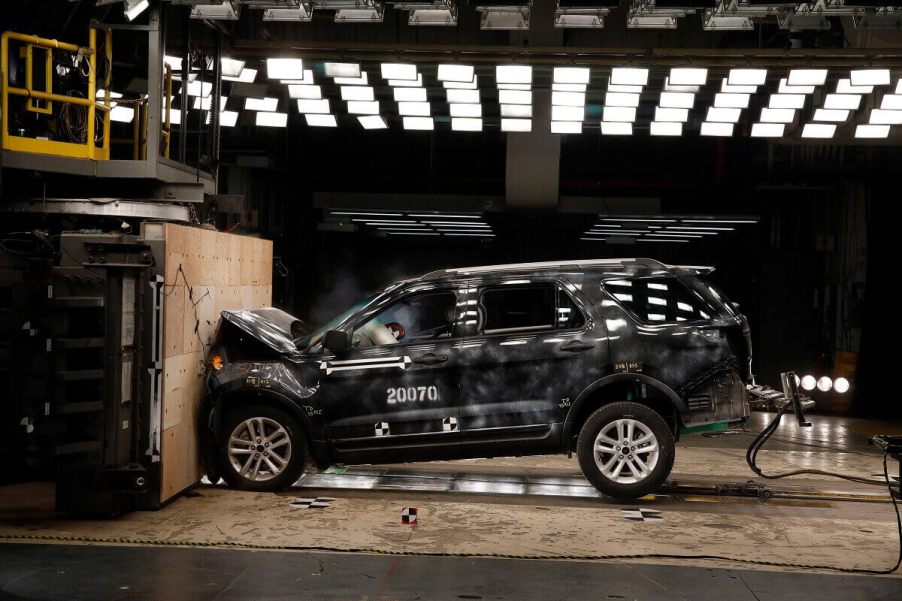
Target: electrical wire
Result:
[759, 441]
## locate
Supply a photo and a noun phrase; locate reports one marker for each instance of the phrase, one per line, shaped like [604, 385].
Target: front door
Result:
[533, 351]
[394, 396]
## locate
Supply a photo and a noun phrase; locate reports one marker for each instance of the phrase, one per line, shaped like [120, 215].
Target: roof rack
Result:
[578, 263]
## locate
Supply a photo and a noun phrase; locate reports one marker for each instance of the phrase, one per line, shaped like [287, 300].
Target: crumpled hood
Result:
[273, 327]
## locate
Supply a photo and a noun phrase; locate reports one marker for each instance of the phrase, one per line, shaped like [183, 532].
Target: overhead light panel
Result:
[516, 125]
[568, 98]
[818, 130]
[678, 100]
[680, 76]
[831, 115]
[463, 96]
[407, 83]
[231, 67]
[248, 75]
[786, 101]
[622, 88]
[513, 97]
[284, 68]
[342, 70]
[619, 114]
[302, 13]
[473, 85]
[747, 77]
[228, 118]
[566, 127]
[768, 130]
[316, 120]
[807, 77]
[503, 15]
[305, 91]
[215, 12]
[206, 104]
[357, 93]
[261, 104]
[610, 128]
[892, 102]
[670, 87]
[785, 88]
[199, 88]
[133, 8]
[466, 124]
[361, 14]
[842, 101]
[402, 71]
[872, 131]
[671, 114]
[727, 88]
[372, 122]
[513, 74]
[305, 79]
[870, 77]
[736, 101]
[430, 15]
[629, 76]
[414, 109]
[567, 113]
[571, 75]
[769, 115]
[884, 117]
[456, 73]
[419, 123]
[844, 86]
[363, 107]
[352, 81]
[621, 99]
[122, 114]
[515, 86]
[410, 94]
[308, 106]
[265, 119]
[670, 128]
[467, 110]
[516, 110]
[723, 115]
[717, 129]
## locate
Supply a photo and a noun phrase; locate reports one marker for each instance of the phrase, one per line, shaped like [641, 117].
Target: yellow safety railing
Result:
[46, 97]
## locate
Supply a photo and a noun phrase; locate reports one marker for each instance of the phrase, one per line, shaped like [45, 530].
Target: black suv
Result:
[612, 358]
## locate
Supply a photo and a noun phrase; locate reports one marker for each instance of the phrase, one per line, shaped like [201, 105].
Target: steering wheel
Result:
[396, 329]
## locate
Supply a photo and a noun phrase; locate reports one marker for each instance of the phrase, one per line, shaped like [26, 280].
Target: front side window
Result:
[659, 299]
[417, 317]
[527, 308]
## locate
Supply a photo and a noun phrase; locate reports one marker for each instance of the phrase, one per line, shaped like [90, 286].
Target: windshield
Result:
[315, 336]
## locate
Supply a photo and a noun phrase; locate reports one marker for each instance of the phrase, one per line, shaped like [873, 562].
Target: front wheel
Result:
[625, 450]
[261, 448]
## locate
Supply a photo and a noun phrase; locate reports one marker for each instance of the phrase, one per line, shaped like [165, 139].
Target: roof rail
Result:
[579, 263]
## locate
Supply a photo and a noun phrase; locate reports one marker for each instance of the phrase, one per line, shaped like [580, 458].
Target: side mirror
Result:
[336, 342]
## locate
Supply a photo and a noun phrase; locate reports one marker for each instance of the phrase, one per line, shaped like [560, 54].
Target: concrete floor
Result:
[466, 508]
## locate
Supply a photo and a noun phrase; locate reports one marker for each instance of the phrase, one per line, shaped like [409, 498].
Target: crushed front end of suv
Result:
[610, 359]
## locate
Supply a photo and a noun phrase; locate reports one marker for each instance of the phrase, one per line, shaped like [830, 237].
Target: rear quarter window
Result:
[661, 300]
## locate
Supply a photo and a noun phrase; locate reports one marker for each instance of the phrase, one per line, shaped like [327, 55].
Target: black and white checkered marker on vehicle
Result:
[382, 429]
[642, 515]
[409, 515]
[449, 424]
[316, 503]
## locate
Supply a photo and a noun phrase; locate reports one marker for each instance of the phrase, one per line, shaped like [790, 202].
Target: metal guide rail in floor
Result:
[375, 478]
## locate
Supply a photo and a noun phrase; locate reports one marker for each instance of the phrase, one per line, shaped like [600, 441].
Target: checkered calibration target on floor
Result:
[449, 424]
[409, 515]
[382, 429]
[315, 503]
[642, 515]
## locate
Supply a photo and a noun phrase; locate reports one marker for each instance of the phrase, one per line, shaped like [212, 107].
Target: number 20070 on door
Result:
[411, 393]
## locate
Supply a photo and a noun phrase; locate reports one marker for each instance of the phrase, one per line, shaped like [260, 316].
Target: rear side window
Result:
[662, 299]
[526, 308]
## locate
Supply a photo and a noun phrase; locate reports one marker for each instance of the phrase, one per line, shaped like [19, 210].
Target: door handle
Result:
[576, 346]
[430, 359]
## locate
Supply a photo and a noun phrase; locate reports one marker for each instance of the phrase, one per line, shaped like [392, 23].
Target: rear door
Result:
[533, 349]
[394, 396]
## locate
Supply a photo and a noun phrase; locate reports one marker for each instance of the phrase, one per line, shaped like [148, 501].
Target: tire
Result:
[630, 481]
[288, 458]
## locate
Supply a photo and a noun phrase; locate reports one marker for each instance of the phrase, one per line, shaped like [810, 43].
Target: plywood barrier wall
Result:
[206, 272]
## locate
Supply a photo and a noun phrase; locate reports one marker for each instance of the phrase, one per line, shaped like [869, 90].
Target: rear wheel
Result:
[261, 448]
[625, 450]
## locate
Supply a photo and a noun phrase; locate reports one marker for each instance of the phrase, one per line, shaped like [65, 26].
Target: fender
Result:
[671, 395]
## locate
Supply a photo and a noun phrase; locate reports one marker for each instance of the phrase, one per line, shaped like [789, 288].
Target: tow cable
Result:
[891, 445]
